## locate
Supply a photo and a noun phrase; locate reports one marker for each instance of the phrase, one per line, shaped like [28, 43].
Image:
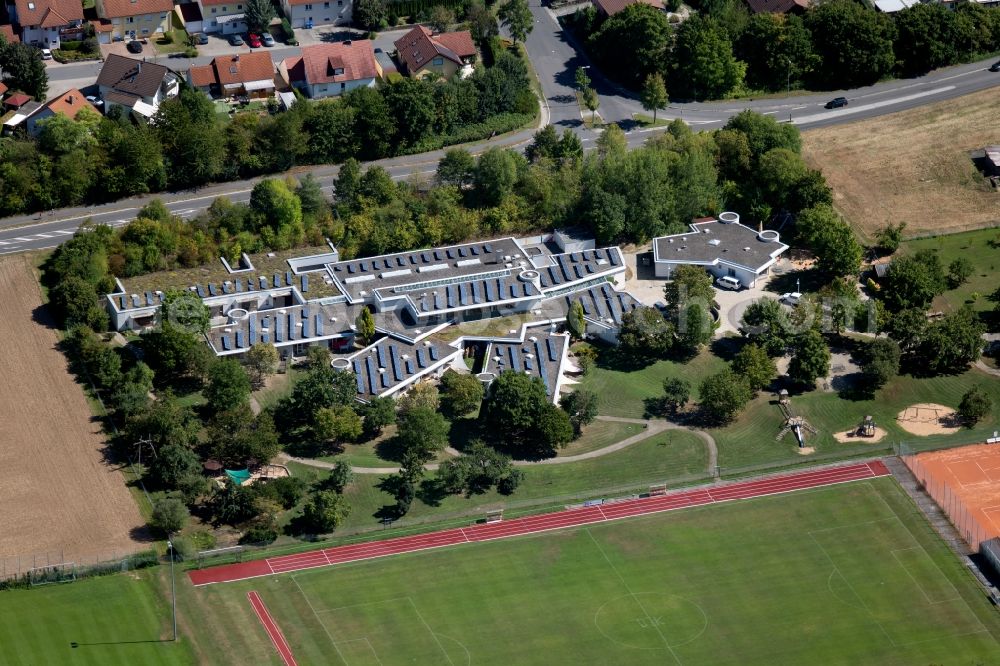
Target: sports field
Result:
[846, 574]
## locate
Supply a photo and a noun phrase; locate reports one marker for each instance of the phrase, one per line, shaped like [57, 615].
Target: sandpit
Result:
[926, 418]
[852, 436]
[806, 450]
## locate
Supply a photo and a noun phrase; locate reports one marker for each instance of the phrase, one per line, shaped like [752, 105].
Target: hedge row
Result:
[506, 122]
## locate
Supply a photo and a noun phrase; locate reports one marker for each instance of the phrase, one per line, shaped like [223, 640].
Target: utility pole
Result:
[788, 77]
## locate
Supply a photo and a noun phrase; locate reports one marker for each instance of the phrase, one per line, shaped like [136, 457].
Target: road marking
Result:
[63, 232]
[44, 235]
[850, 110]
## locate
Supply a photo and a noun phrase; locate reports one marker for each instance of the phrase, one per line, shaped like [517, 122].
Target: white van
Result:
[728, 282]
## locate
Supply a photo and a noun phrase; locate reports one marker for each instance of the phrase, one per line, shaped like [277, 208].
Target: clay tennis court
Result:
[59, 497]
[965, 482]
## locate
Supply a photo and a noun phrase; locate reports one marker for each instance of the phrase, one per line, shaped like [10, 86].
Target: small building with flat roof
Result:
[722, 246]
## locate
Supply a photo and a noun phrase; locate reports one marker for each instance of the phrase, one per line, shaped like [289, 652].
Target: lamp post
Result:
[788, 75]
[797, 289]
[173, 589]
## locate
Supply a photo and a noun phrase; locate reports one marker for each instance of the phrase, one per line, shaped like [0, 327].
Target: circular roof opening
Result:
[528, 276]
[729, 217]
[340, 363]
[769, 236]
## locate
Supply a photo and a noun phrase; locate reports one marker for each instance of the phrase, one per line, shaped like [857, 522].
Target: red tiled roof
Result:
[17, 100]
[202, 75]
[3, 88]
[48, 13]
[8, 32]
[320, 63]
[612, 7]
[241, 68]
[776, 6]
[102, 25]
[70, 103]
[419, 46]
[120, 8]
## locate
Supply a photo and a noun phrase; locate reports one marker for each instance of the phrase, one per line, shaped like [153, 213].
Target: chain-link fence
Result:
[27, 570]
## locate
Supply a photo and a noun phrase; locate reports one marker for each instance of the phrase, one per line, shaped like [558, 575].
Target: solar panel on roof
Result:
[201, 291]
[513, 291]
[576, 269]
[461, 252]
[424, 258]
[599, 254]
[461, 293]
[527, 363]
[526, 288]
[239, 285]
[551, 348]
[350, 268]
[616, 311]
[613, 257]
[305, 283]
[451, 296]
[394, 360]
[437, 255]
[598, 303]
[379, 354]
[371, 375]
[515, 358]
[149, 298]
[363, 266]
[264, 338]
[211, 290]
[510, 357]
[475, 293]
[413, 260]
[488, 287]
[543, 279]
[239, 340]
[225, 343]
[263, 282]
[501, 289]
[487, 248]
[434, 353]
[575, 257]
[420, 358]
[474, 250]
[450, 253]
[253, 330]
[277, 280]
[387, 263]
[319, 325]
[135, 300]
[437, 301]
[279, 335]
[288, 278]
[400, 261]
[305, 329]
[553, 275]
[357, 376]
[385, 379]
[409, 366]
[565, 273]
[291, 328]
[590, 268]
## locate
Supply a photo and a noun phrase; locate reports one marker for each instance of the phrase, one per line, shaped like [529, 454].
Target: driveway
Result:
[732, 305]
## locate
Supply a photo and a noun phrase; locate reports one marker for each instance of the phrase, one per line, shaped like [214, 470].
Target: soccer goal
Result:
[494, 516]
[64, 572]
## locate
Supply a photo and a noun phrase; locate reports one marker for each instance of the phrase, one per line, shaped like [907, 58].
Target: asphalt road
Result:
[555, 59]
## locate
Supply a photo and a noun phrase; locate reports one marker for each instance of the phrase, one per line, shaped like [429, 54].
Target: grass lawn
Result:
[599, 435]
[647, 120]
[750, 439]
[623, 392]
[172, 41]
[985, 259]
[122, 619]
[665, 456]
[849, 574]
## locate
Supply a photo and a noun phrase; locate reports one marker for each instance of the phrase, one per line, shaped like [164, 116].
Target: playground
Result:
[925, 419]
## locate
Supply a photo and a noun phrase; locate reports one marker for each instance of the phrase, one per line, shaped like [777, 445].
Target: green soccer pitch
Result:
[849, 574]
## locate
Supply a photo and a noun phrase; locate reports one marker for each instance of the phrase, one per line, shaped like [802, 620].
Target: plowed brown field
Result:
[57, 494]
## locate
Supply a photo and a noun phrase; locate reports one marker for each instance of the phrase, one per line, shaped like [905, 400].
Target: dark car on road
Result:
[995, 67]
[134, 46]
[836, 103]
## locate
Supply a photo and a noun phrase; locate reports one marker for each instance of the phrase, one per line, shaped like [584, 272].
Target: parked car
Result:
[995, 67]
[199, 38]
[267, 39]
[134, 46]
[46, 54]
[235, 40]
[836, 103]
[728, 282]
[96, 101]
[253, 40]
[791, 298]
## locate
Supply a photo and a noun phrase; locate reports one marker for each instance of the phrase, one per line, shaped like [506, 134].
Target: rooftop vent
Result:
[714, 241]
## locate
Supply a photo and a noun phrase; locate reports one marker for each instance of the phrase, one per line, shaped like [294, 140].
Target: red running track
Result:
[541, 523]
[272, 629]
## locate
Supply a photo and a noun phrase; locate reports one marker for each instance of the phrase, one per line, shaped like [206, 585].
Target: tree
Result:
[482, 23]
[259, 14]
[645, 333]
[811, 359]
[854, 45]
[378, 413]
[326, 511]
[975, 405]
[765, 324]
[374, 123]
[645, 30]
[411, 101]
[890, 237]
[478, 469]
[167, 422]
[654, 94]
[371, 14]
[753, 363]
[170, 515]
[581, 405]
[517, 18]
[337, 424]
[456, 168]
[912, 281]
[831, 239]
[702, 64]
[341, 475]
[581, 79]
[925, 38]
[74, 301]
[171, 464]
[191, 138]
[234, 504]
[513, 414]
[422, 394]
[688, 285]
[366, 326]
[722, 396]
[422, 433]
[553, 428]
[237, 437]
[262, 361]
[23, 68]
[763, 134]
[959, 272]
[461, 393]
[591, 100]
[695, 329]
[880, 362]
[277, 211]
[575, 323]
[676, 393]
[496, 174]
[951, 343]
[440, 18]
[228, 385]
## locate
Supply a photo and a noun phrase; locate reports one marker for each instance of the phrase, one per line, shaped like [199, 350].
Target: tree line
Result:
[723, 50]
[187, 144]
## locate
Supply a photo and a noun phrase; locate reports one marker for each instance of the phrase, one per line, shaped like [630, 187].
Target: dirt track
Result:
[56, 493]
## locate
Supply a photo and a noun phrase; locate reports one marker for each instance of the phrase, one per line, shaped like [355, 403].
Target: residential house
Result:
[45, 23]
[225, 16]
[611, 7]
[330, 70]
[21, 113]
[240, 74]
[309, 13]
[190, 16]
[722, 246]
[780, 6]
[136, 19]
[135, 85]
[3, 89]
[69, 104]
[8, 33]
[422, 52]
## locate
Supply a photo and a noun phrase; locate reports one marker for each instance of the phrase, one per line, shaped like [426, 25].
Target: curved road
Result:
[555, 59]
